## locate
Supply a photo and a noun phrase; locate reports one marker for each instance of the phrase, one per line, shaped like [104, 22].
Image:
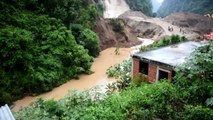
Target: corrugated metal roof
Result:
[5, 113]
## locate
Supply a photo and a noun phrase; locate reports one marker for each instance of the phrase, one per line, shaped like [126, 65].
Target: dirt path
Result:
[165, 25]
[114, 8]
[106, 59]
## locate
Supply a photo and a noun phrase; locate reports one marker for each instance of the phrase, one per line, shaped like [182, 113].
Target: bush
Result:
[173, 39]
[117, 25]
[121, 71]
[196, 75]
[90, 41]
[197, 113]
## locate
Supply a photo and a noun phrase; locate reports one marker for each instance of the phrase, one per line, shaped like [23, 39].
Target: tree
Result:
[37, 53]
[90, 41]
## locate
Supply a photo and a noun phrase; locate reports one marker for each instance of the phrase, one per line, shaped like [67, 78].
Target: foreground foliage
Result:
[147, 102]
[123, 73]
[195, 78]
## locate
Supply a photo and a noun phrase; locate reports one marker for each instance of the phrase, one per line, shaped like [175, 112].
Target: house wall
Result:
[135, 69]
[152, 73]
[152, 70]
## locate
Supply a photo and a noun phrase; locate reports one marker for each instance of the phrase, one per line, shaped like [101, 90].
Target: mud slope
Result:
[109, 38]
[155, 28]
[190, 21]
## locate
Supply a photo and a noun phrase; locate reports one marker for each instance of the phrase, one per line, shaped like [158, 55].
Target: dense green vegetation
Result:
[87, 38]
[144, 6]
[100, 7]
[168, 40]
[38, 48]
[195, 6]
[188, 97]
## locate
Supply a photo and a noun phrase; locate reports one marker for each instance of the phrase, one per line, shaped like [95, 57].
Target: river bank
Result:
[106, 59]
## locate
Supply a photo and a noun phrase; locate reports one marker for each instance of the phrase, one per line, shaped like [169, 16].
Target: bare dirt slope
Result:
[144, 29]
[155, 28]
[192, 22]
[109, 38]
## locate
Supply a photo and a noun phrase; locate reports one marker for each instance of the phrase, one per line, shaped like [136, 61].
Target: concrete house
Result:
[159, 63]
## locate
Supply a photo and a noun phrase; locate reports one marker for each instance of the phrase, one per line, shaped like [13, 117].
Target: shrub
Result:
[90, 41]
[121, 71]
[195, 75]
[117, 25]
[197, 113]
[173, 39]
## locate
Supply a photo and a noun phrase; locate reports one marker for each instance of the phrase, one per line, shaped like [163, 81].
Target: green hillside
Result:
[43, 44]
[195, 6]
[144, 6]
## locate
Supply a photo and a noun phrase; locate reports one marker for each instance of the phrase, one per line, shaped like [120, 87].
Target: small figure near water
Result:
[117, 50]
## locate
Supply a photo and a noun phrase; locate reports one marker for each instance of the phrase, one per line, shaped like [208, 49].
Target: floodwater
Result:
[106, 59]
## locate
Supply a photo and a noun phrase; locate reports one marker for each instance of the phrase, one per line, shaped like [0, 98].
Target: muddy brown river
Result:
[106, 59]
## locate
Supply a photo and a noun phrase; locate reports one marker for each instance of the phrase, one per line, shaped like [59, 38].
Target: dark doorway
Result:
[144, 67]
[173, 74]
[162, 74]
